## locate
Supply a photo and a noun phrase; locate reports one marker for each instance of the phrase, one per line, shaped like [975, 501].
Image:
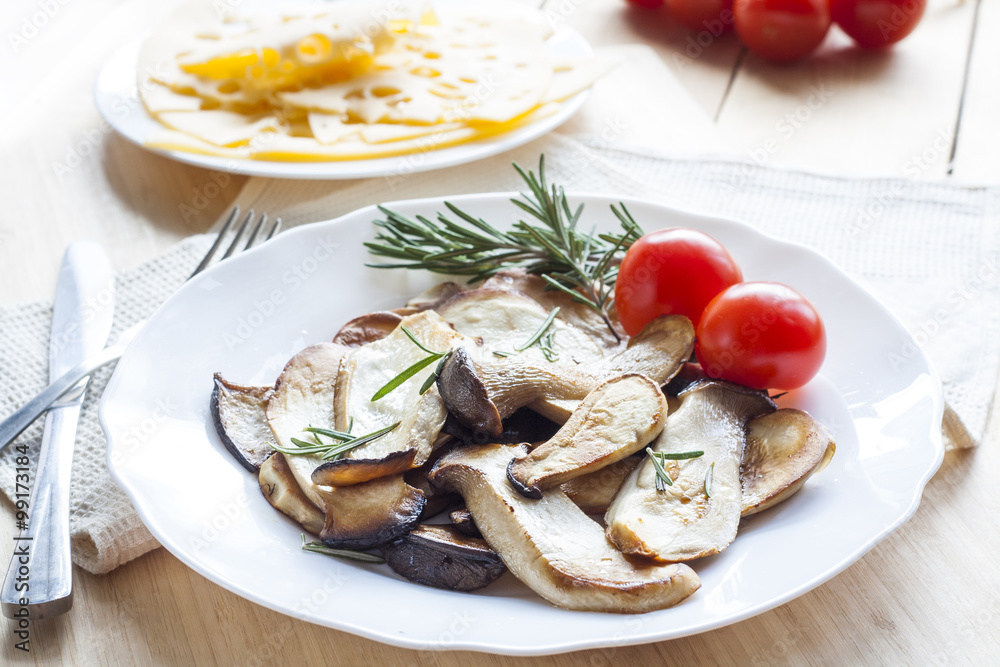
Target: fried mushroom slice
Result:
[616, 420]
[367, 515]
[442, 557]
[347, 472]
[303, 396]
[595, 491]
[783, 449]
[463, 522]
[686, 520]
[367, 328]
[238, 415]
[279, 487]
[551, 545]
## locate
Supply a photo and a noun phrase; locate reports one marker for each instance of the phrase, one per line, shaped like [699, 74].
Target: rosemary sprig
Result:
[320, 548]
[581, 264]
[333, 450]
[544, 341]
[680, 456]
[415, 368]
[709, 474]
[663, 479]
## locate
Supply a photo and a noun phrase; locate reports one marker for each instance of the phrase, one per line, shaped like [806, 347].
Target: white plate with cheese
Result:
[418, 104]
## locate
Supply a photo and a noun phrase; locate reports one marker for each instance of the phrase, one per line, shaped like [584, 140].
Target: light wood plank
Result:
[701, 62]
[978, 144]
[847, 110]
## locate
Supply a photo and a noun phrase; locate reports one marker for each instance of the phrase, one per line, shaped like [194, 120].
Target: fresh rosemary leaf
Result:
[680, 456]
[404, 376]
[501, 353]
[336, 435]
[547, 344]
[335, 449]
[432, 378]
[663, 479]
[537, 336]
[709, 474]
[409, 334]
[320, 548]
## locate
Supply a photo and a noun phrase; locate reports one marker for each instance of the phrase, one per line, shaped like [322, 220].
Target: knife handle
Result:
[47, 568]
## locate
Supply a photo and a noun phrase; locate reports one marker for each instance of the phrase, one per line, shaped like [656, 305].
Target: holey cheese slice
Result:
[351, 79]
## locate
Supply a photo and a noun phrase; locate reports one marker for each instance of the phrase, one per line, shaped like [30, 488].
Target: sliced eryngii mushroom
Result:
[238, 415]
[347, 472]
[279, 487]
[616, 420]
[303, 396]
[685, 519]
[442, 557]
[506, 320]
[437, 501]
[433, 297]
[551, 545]
[370, 514]
[595, 491]
[463, 522]
[366, 369]
[572, 312]
[783, 449]
[505, 385]
[367, 328]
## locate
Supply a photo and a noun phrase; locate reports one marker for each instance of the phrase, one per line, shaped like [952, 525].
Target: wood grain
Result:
[926, 595]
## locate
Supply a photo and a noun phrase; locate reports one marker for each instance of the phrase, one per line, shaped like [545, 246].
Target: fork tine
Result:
[218, 241]
[239, 233]
[256, 230]
[274, 230]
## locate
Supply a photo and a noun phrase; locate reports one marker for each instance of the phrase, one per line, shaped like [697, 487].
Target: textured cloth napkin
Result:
[927, 250]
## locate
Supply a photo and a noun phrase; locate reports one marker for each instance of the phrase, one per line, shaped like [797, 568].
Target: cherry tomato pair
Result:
[787, 30]
[759, 334]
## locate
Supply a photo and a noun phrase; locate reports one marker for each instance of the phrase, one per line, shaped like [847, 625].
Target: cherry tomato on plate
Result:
[762, 335]
[716, 16]
[782, 30]
[876, 23]
[648, 4]
[671, 271]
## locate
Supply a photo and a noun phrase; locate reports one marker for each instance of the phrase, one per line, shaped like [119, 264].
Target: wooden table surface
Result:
[927, 109]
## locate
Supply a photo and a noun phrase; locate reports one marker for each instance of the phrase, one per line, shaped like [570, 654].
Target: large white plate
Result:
[116, 97]
[247, 316]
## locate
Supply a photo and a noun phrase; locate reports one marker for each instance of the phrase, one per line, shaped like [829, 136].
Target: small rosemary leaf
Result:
[336, 435]
[680, 456]
[573, 293]
[405, 375]
[303, 446]
[537, 336]
[709, 474]
[661, 472]
[320, 548]
[336, 450]
[409, 334]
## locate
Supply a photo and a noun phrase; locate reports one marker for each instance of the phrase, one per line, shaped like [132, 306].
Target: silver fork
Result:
[12, 427]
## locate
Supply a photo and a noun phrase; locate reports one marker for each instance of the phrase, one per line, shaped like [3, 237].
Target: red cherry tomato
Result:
[648, 4]
[876, 23]
[762, 335]
[782, 30]
[671, 271]
[715, 16]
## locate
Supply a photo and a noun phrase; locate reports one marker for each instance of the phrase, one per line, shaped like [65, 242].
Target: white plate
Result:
[247, 316]
[117, 99]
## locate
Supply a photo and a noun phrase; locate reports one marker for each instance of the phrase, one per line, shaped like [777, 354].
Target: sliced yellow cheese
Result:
[222, 128]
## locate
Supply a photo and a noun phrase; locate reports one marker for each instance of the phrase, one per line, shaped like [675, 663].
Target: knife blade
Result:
[40, 578]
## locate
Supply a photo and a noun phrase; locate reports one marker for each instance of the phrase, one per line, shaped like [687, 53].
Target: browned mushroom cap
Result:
[463, 522]
[437, 500]
[783, 450]
[551, 545]
[279, 487]
[238, 415]
[467, 399]
[594, 492]
[367, 328]
[431, 298]
[691, 517]
[616, 420]
[347, 472]
[370, 514]
[441, 557]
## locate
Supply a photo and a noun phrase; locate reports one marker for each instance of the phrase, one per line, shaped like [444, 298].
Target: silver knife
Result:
[39, 581]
